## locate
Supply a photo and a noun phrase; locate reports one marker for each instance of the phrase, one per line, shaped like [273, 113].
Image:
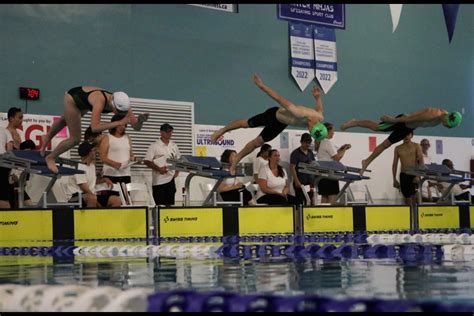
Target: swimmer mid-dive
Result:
[402, 125]
[276, 119]
[77, 102]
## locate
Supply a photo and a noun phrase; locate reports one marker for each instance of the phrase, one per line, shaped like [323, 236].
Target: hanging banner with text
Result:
[302, 53]
[325, 56]
[233, 8]
[327, 14]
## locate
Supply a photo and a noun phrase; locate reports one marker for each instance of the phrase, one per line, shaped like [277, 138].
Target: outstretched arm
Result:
[421, 115]
[275, 96]
[317, 96]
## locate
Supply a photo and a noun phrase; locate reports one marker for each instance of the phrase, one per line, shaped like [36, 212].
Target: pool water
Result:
[438, 281]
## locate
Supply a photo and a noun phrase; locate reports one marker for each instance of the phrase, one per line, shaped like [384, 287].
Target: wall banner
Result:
[325, 57]
[326, 14]
[302, 53]
[232, 8]
[34, 126]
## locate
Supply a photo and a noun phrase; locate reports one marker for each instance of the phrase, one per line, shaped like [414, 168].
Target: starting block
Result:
[332, 170]
[207, 167]
[439, 173]
[30, 161]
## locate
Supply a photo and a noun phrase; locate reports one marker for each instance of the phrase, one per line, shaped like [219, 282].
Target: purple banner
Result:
[327, 14]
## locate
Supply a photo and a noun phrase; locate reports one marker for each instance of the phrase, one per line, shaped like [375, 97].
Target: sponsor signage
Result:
[16, 227]
[438, 217]
[191, 222]
[327, 219]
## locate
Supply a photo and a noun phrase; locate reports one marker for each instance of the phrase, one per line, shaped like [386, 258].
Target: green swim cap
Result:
[319, 131]
[454, 119]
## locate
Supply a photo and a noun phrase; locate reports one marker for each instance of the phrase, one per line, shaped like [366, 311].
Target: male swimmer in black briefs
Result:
[275, 120]
[402, 125]
[410, 155]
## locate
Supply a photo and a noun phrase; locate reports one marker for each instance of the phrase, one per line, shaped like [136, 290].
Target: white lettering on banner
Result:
[302, 53]
[323, 7]
[220, 7]
[325, 57]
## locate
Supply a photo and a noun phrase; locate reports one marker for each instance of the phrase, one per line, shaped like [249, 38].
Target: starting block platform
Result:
[439, 173]
[207, 167]
[332, 170]
[30, 161]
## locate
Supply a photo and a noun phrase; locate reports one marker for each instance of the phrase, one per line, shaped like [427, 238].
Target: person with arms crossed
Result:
[300, 180]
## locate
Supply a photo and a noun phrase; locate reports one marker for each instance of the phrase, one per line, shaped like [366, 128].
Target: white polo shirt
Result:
[158, 152]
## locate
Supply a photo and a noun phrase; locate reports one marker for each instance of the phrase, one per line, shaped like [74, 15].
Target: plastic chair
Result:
[305, 190]
[217, 199]
[138, 187]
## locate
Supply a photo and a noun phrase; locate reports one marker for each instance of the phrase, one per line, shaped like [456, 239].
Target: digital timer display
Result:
[29, 93]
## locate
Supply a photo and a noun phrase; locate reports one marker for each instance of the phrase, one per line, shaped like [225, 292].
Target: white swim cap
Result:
[121, 101]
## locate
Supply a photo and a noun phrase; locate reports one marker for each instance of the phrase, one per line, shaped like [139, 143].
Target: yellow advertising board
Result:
[26, 225]
[387, 217]
[471, 216]
[191, 222]
[110, 223]
[438, 216]
[265, 220]
[327, 219]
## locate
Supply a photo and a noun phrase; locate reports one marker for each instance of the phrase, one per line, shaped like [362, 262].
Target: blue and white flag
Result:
[325, 57]
[302, 53]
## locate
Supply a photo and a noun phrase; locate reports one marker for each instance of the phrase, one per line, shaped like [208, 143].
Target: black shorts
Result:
[164, 194]
[102, 199]
[272, 126]
[407, 186]
[4, 184]
[328, 187]
[399, 130]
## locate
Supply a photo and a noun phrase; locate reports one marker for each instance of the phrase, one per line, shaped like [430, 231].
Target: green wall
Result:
[187, 53]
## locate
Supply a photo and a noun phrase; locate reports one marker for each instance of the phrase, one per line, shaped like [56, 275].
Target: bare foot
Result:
[348, 124]
[140, 120]
[365, 164]
[51, 163]
[215, 136]
[42, 149]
